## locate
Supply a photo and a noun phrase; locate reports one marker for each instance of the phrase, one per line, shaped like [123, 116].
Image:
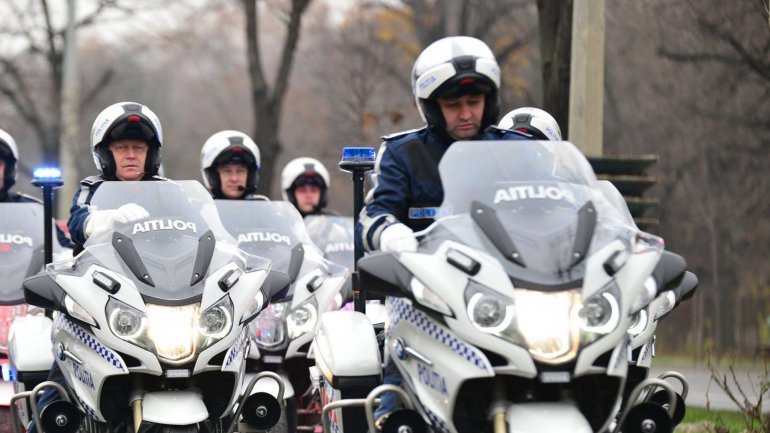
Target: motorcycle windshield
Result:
[271, 229]
[168, 253]
[21, 247]
[334, 237]
[536, 206]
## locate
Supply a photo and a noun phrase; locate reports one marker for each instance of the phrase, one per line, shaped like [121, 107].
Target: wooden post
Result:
[586, 94]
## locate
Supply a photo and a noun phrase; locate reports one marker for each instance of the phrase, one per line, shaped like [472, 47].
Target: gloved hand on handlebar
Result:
[106, 219]
[398, 238]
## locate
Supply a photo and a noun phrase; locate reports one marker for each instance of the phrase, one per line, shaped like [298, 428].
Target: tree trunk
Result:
[555, 27]
[267, 103]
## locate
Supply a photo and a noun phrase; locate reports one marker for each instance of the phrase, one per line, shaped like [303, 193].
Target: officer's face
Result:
[129, 156]
[233, 177]
[462, 115]
[2, 173]
[308, 197]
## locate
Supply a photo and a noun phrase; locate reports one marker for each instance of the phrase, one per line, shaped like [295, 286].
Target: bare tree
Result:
[31, 55]
[268, 101]
[555, 29]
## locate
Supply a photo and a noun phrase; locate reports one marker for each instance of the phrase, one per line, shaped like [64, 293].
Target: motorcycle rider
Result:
[126, 140]
[532, 121]
[9, 157]
[455, 82]
[230, 166]
[305, 183]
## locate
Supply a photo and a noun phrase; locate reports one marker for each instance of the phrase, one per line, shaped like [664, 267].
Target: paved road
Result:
[704, 391]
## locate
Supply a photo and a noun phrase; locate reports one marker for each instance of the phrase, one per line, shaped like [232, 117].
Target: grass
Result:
[700, 420]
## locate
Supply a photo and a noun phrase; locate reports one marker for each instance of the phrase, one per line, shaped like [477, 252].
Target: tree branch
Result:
[287, 54]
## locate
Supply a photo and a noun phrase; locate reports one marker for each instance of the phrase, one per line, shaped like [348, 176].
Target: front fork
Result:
[499, 408]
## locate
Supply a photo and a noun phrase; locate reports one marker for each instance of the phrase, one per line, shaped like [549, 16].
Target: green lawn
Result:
[695, 420]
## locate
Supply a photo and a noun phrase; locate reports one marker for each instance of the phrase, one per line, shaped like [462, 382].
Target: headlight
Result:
[172, 330]
[600, 314]
[302, 319]
[174, 333]
[128, 323]
[491, 312]
[551, 325]
[638, 323]
[268, 327]
[546, 322]
[216, 322]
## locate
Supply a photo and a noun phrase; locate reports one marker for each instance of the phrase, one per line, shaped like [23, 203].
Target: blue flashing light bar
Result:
[45, 173]
[47, 177]
[354, 154]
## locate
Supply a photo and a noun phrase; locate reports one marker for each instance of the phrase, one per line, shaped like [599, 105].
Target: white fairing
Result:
[174, 407]
[346, 345]
[29, 343]
[562, 417]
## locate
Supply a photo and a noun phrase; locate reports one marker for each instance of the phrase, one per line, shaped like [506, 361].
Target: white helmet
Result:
[452, 67]
[229, 147]
[303, 171]
[10, 153]
[533, 121]
[126, 120]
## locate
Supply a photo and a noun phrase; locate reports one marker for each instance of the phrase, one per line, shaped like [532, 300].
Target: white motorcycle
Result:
[22, 255]
[306, 284]
[514, 313]
[150, 329]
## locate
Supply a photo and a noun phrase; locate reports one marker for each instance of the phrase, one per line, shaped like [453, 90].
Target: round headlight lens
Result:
[300, 316]
[126, 323]
[214, 321]
[600, 314]
[596, 312]
[488, 312]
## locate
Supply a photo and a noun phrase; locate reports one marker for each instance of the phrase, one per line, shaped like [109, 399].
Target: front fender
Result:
[174, 407]
[550, 417]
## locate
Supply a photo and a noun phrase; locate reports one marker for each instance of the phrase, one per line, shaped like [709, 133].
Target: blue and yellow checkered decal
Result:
[89, 340]
[400, 309]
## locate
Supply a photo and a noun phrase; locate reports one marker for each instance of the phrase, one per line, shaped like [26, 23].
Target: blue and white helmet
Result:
[126, 120]
[10, 153]
[533, 121]
[452, 67]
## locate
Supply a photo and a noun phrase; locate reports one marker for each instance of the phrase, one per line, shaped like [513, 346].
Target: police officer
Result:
[455, 82]
[125, 143]
[305, 183]
[230, 166]
[9, 157]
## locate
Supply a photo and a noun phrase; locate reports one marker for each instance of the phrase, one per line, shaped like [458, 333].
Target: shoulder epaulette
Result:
[157, 177]
[92, 180]
[402, 133]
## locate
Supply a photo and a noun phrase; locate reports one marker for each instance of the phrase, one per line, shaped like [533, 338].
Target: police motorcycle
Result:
[22, 255]
[150, 328]
[309, 286]
[514, 312]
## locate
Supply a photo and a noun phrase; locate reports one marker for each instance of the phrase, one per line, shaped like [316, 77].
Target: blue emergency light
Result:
[358, 154]
[47, 176]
